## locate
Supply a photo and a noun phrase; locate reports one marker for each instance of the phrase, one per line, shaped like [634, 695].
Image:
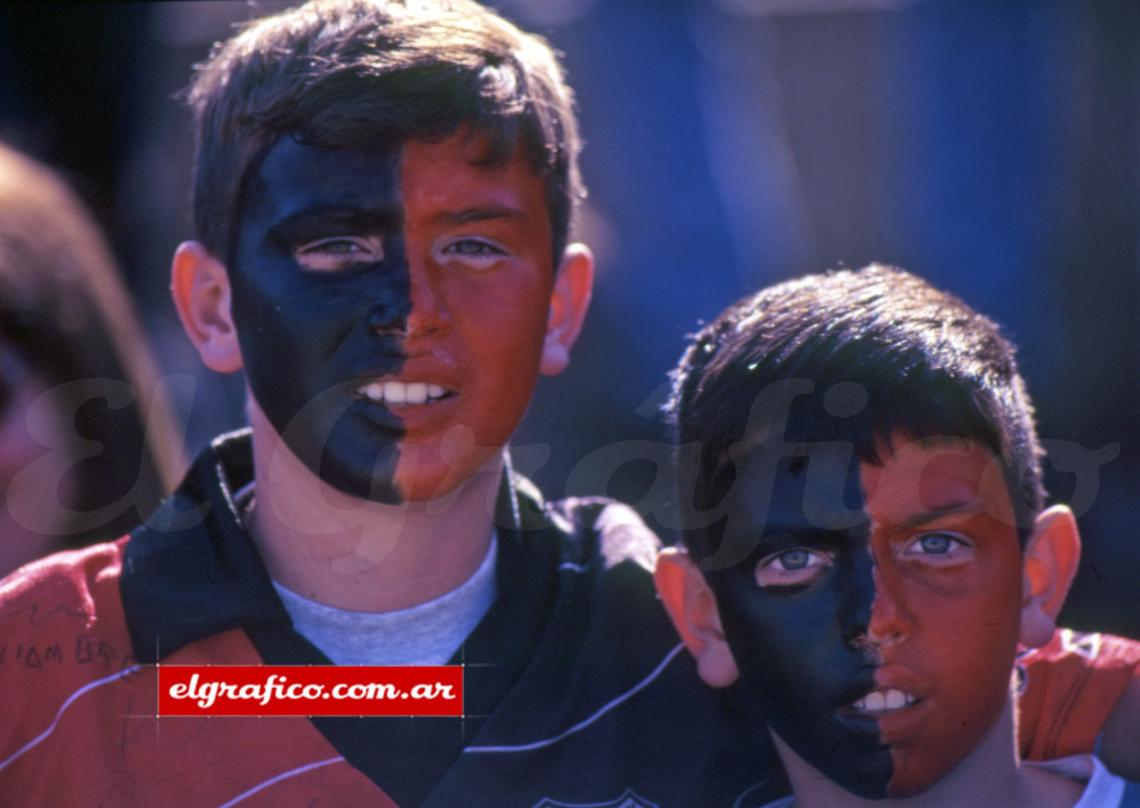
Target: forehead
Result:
[825, 487]
[449, 175]
[931, 477]
[455, 172]
[296, 175]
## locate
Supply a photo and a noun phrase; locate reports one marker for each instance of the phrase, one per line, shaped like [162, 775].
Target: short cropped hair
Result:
[885, 352]
[352, 74]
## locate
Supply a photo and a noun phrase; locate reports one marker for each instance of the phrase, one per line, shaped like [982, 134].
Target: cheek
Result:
[968, 651]
[788, 645]
[973, 620]
[506, 307]
[797, 675]
[504, 327]
[306, 339]
[275, 305]
[303, 334]
[965, 648]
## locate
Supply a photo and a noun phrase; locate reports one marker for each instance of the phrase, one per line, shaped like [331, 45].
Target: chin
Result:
[359, 468]
[421, 485]
[403, 473]
[361, 483]
[872, 784]
[868, 773]
[916, 773]
[433, 472]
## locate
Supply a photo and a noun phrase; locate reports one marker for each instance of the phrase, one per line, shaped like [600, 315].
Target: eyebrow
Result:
[919, 518]
[338, 214]
[802, 531]
[481, 214]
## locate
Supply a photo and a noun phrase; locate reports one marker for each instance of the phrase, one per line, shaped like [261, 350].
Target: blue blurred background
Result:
[991, 147]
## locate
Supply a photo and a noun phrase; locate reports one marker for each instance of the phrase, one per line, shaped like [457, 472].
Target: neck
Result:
[990, 775]
[355, 554]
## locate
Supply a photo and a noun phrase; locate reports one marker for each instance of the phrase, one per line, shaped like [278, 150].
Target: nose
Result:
[856, 598]
[411, 302]
[873, 611]
[891, 621]
[390, 290]
[429, 315]
[387, 320]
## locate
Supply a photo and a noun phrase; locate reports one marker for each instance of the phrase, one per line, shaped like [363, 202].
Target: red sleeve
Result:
[1070, 687]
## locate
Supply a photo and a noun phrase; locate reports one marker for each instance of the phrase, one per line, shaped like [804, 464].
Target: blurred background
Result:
[991, 147]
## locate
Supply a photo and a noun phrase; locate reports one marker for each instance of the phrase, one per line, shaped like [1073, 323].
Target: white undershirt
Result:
[427, 634]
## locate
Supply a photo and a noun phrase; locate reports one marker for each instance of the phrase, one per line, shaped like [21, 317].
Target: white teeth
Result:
[392, 392]
[395, 392]
[374, 391]
[884, 700]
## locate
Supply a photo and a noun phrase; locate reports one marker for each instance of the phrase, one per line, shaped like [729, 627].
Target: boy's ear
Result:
[569, 300]
[1050, 563]
[692, 608]
[201, 290]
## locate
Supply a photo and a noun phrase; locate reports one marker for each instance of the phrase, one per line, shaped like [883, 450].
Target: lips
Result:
[421, 397]
[896, 709]
[424, 379]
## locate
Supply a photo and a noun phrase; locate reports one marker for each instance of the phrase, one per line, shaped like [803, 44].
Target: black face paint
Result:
[799, 648]
[310, 339]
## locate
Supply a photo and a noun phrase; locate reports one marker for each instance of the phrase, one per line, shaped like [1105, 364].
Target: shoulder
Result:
[609, 675]
[65, 591]
[1100, 651]
[1071, 687]
[594, 533]
[606, 566]
[62, 635]
[600, 530]
[607, 555]
[61, 619]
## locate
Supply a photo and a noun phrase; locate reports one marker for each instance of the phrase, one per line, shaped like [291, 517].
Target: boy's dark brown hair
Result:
[358, 74]
[878, 352]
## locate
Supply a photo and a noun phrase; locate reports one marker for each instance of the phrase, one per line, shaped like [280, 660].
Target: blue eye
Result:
[794, 559]
[472, 247]
[475, 253]
[339, 253]
[939, 547]
[936, 543]
[799, 565]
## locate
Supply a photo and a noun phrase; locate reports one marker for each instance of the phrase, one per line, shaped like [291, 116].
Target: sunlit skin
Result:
[354, 269]
[921, 596]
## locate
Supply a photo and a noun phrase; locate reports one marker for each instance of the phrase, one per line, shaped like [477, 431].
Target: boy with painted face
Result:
[868, 545]
[382, 196]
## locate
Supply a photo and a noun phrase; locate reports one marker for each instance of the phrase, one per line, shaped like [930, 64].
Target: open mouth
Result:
[882, 702]
[401, 394]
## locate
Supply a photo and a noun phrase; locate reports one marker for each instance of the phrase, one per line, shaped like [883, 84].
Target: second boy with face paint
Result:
[868, 544]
